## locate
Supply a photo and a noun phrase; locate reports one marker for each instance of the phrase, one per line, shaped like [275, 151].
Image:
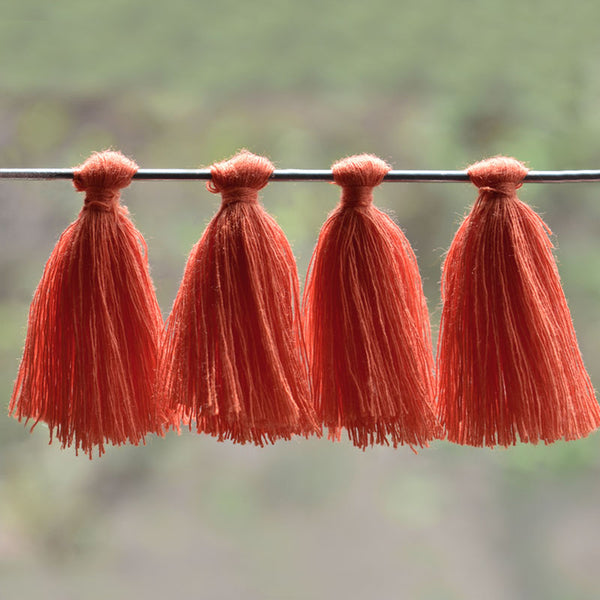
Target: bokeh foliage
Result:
[427, 84]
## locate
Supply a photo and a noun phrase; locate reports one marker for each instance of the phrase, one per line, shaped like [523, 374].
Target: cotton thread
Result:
[509, 367]
[233, 358]
[366, 319]
[89, 362]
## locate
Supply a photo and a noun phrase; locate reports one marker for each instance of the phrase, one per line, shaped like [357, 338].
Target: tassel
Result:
[508, 362]
[368, 333]
[232, 357]
[91, 349]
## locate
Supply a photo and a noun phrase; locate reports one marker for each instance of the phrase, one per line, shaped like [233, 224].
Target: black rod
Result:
[308, 175]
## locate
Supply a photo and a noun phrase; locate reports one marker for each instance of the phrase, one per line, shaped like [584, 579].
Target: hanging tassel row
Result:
[241, 358]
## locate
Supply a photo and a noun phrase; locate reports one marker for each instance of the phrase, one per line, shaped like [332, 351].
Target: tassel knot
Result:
[106, 200]
[229, 196]
[359, 195]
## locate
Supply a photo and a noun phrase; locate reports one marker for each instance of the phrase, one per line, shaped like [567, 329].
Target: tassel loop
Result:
[101, 177]
[500, 172]
[499, 176]
[358, 175]
[240, 178]
[243, 171]
[108, 170]
[362, 170]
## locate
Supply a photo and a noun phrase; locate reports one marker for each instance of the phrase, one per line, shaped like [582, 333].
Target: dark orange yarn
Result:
[91, 350]
[367, 323]
[509, 366]
[232, 356]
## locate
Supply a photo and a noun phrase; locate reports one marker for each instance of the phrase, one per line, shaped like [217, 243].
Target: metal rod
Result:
[308, 175]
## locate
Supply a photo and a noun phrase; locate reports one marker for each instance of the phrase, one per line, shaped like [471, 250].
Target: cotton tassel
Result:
[368, 333]
[91, 349]
[509, 366]
[232, 357]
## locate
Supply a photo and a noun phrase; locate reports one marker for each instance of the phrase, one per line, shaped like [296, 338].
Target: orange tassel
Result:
[368, 334]
[508, 362]
[90, 355]
[232, 357]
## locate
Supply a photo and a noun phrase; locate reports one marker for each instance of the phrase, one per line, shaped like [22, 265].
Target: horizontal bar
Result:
[309, 175]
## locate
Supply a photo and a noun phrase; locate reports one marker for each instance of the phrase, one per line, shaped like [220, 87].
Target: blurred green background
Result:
[428, 84]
